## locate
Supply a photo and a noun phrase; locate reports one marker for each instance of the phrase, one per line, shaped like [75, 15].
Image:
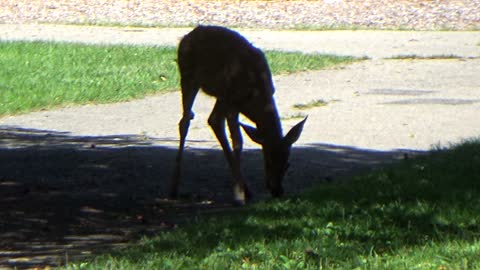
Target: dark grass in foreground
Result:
[39, 75]
[422, 213]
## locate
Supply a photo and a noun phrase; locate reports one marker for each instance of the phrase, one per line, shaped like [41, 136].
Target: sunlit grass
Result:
[44, 75]
[289, 62]
[311, 104]
[425, 57]
[421, 213]
[39, 75]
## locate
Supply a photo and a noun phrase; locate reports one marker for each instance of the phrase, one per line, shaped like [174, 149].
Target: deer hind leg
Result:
[217, 122]
[189, 92]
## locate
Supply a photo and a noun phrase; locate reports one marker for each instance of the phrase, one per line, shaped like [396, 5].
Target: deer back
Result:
[225, 65]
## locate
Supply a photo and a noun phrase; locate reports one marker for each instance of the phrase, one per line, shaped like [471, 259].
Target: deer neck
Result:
[269, 125]
[263, 112]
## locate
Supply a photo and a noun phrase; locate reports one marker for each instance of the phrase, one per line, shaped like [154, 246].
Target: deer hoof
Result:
[249, 194]
[240, 195]
[173, 195]
[238, 203]
[277, 192]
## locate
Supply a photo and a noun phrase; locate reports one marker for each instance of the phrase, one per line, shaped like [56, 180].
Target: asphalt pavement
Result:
[431, 98]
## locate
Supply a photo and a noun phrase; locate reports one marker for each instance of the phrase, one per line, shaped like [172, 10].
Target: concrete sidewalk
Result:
[376, 104]
[373, 44]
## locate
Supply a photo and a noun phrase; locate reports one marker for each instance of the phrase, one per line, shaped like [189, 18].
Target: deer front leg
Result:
[217, 123]
[237, 144]
[189, 92]
[183, 130]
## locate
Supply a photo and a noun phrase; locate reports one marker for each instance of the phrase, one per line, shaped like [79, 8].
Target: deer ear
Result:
[252, 133]
[294, 133]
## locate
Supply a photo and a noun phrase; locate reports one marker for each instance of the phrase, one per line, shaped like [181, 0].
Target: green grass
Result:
[311, 104]
[422, 213]
[43, 75]
[38, 75]
[421, 57]
[290, 62]
[294, 116]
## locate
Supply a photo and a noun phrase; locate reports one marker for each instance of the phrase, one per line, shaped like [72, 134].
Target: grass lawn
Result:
[39, 75]
[422, 213]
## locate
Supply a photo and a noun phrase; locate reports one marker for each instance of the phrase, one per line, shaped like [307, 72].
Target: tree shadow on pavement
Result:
[65, 197]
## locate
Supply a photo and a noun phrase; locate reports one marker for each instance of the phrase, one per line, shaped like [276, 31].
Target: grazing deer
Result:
[226, 66]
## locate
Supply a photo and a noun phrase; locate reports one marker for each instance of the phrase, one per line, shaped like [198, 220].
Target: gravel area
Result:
[378, 14]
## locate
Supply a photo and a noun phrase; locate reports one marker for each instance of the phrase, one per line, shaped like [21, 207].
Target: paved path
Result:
[377, 104]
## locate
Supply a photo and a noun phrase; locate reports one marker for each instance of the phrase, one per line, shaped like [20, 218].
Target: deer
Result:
[229, 68]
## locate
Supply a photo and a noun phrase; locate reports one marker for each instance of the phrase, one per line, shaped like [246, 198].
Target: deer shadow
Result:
[65, 197]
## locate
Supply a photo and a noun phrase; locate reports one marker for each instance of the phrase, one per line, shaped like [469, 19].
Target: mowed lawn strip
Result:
[420, 213]
[44, 75]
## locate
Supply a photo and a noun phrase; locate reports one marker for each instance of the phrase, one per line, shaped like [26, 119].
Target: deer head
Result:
[275, 154]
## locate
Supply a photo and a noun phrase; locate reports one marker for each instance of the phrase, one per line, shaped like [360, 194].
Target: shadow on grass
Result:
[65, 197]
[429, 200]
